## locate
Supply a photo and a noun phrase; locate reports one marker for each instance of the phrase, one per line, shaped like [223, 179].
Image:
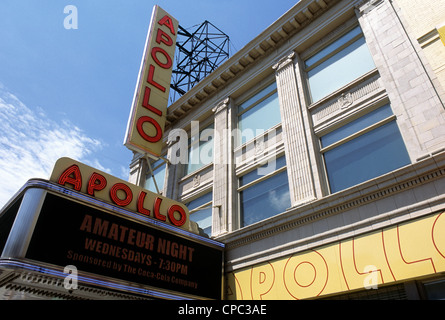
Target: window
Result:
[338, 64]
[363, 149]
[158, 168]
[435, 290]
[259, 113]
[200, 150]
[201, 212]
[263, 196]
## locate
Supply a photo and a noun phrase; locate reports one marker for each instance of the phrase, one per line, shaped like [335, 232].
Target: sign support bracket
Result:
[151, 172]
[150, 169]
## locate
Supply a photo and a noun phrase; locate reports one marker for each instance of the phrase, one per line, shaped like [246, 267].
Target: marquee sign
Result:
[72, 233]
[146, 123]
[80, 177]
[116, 234]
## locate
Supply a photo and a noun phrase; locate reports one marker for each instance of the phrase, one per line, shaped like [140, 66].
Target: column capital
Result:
[284, 61]
[365, 6]
[221, 105]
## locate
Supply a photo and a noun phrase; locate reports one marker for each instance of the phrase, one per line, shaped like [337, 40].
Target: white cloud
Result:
[279, 201]
[30, 144]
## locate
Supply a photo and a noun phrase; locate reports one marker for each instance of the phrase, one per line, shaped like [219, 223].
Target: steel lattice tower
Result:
[198, 54]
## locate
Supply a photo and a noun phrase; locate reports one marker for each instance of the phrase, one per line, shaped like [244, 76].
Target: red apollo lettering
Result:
[156, 208]
[145, 130]
[128, 194]
[163, 37]
[140, 128]
[151, 71]
[146, 102]
[96, 182]
[121, 194]
[71, 176]
[167, 64]
[171, 215]
[141, 200]
[167, 21]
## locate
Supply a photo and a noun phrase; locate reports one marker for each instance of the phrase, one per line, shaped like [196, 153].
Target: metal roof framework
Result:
[199, 53]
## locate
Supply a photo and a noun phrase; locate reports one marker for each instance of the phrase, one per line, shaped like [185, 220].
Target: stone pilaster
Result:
[138, 167]
[221, 169]
[295, 130]
[398, 58]
[171, 174]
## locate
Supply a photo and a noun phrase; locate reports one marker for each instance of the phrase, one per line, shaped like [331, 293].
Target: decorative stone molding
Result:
[43, 286]
[366, 6]
[221, 106]
[346, 99]
[259, 146]
[283, 62]
[196, 181]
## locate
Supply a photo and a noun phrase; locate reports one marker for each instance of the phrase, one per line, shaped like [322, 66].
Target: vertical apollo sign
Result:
[146, 123]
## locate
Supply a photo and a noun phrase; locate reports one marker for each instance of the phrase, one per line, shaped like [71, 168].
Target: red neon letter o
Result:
[141, 131]
[171, 215]
[115, 198]
[166, 65]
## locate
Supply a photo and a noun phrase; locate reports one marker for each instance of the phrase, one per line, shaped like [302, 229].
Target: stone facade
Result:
[408, 75]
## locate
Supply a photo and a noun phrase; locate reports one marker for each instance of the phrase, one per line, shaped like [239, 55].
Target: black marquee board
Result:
[106, 244]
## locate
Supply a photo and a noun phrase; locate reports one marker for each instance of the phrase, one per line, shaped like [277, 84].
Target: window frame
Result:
[347, 120]
[206, 205]
[149, 175]
[240, 188]
[335, 51]
[251, 94]
[256, 102]
[339, 33]
[357, 133]
[191, 144]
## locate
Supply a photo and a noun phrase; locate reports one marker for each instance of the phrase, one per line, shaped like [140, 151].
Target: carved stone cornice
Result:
[301, 15]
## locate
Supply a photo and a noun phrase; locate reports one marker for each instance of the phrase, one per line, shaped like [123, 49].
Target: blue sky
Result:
[68, 92]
